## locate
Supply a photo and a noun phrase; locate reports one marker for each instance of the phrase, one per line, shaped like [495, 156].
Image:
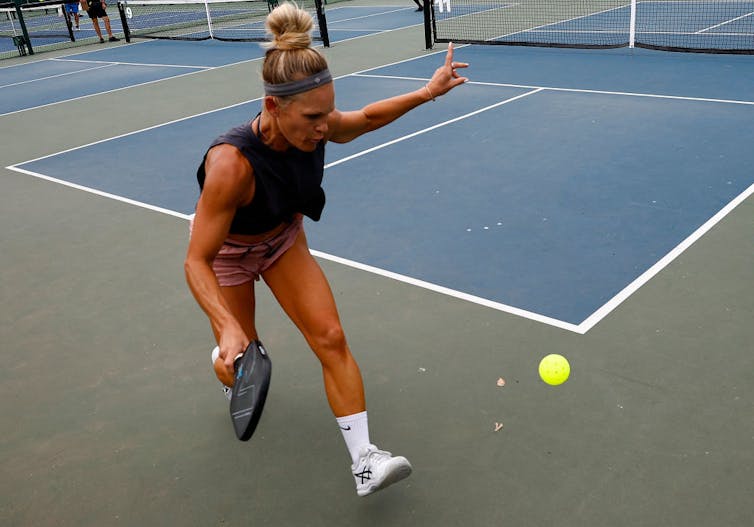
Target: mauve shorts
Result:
[238, 263]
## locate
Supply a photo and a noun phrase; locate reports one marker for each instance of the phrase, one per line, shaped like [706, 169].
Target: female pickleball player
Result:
[257, 182]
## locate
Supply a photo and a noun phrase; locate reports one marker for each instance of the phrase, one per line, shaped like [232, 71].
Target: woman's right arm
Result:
[229, 184]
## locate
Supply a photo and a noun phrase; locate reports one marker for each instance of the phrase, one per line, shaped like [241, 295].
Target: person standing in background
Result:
[72, 7]
[96, 10]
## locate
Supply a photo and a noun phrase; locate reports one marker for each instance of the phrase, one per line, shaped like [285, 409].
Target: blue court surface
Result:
[356, 21]
[45, 34]
[552, 197]
[731, 19]
[692, 23]
[57, 80]
[113, 67]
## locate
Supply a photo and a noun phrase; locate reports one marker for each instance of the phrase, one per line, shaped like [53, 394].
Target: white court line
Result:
[329, 24]
[429, 129]
[99, 192]
[581, 328]
[639, 32]
[451, 292]
[64, 59]
[342, 261]
[248, 101]
[102, 92]
[372, 33]
[353, 30]
[575, 90]
[368, 34]
[147, 64]
[558, 22]
[726, 22]
[55, 76]
[78, 51]
[209, 68]
[645, 277]
[15, 167]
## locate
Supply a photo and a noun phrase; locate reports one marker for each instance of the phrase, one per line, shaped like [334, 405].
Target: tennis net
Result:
[42, 20]
[713, 26]
[238, 20]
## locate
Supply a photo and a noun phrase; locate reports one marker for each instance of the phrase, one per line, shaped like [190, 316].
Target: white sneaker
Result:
[227, 390]
[376, 469]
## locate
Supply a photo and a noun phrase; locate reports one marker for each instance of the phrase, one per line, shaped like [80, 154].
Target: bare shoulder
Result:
[334, 125]
[229, 173]
[226, 158]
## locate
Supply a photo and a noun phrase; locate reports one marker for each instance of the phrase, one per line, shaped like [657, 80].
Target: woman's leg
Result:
[303, 292]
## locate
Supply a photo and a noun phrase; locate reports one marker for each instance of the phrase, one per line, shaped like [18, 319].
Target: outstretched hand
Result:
[446, 77]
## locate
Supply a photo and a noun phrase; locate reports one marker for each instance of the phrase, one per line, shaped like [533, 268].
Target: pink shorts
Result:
[238, 263]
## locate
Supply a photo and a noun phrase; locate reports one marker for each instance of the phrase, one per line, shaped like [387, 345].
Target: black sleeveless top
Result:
[287, 182]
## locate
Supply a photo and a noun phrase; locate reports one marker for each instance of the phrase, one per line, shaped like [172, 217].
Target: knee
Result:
[329, 343]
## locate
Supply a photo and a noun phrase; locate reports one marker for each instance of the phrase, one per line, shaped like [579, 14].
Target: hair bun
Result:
[290, 27]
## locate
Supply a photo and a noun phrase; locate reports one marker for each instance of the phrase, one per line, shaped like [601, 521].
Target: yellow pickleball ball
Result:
[554, 369]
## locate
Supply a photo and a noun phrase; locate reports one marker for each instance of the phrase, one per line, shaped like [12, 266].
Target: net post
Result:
[18, 4]
[632, 26]
[209, 19]
[322, 22]
[68, 24]
[123, 21]
[427, 24]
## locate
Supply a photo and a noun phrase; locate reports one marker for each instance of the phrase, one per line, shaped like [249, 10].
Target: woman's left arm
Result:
[346, 126]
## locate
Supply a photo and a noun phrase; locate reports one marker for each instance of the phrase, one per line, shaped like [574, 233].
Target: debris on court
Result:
[501, 382]
[498, 426]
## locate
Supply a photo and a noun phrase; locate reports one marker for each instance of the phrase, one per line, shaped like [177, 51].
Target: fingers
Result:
[446, 77]
[453, 65]
[231, 354]
[230, 359]
[449, 55]
[449, 59]
[454, 73]
[456, 79]
[232, 342]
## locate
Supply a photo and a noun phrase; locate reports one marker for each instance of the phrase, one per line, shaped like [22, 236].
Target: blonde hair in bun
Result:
[290, 27]
[289, 54]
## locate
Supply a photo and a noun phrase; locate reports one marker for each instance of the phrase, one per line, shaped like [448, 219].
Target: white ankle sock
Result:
[355, 430]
